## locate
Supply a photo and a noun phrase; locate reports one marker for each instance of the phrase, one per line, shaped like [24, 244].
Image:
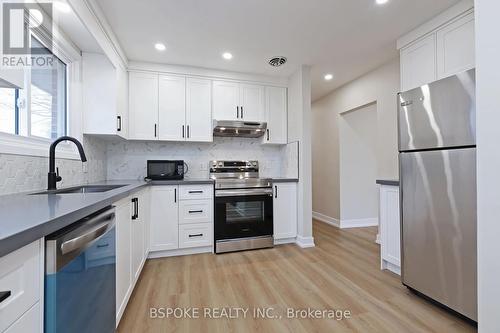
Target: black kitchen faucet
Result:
[53, 176]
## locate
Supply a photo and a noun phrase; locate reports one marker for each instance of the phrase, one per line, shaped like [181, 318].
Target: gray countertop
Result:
[390, 182]
[285, 180]
[25, 218]
[185, 181]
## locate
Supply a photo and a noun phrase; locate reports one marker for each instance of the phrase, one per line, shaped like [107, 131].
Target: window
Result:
[9, 112]
[38, 110]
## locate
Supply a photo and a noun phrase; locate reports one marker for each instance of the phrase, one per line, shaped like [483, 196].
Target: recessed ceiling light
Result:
[328, 77]
[381, 2]
[227, 56]
[62, 6]
[160, 46]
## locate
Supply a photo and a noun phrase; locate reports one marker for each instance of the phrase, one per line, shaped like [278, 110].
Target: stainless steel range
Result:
[243, 206]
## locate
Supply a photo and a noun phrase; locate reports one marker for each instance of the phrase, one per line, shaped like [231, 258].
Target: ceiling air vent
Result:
[277, 61]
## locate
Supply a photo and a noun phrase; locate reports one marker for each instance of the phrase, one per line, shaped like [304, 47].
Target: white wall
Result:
[380, 86]
[488, 163]
[299, 129]
[358, 166]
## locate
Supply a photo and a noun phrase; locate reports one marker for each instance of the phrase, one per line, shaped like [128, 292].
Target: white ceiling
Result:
[345, 37]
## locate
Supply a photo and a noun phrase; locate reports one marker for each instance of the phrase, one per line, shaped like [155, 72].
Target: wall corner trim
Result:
[305, 242]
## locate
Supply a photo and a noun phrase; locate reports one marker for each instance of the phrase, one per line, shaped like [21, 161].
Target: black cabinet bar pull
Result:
[155, 130]
[188, 131]
[4, 295]
[183, 131]
[175, 194]
[195, 192]
[134, 203]
[136, 208]
[196, 235]
[267, 130]
[133, 208]
[195, 211]
[241, 107]
[275, 191]
[119, 118]
[237, 112]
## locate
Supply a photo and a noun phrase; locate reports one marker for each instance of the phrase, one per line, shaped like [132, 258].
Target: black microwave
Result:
[165, 170]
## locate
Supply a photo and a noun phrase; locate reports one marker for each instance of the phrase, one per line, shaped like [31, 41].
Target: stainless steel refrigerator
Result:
[437, 160]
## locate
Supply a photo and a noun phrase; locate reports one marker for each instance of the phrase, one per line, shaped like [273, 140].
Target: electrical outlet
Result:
[85, 167]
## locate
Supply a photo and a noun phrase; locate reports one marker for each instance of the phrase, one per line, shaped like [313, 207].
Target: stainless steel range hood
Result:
[244, 129]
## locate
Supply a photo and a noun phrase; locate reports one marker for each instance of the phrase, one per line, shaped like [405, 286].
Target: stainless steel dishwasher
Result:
[80, 269]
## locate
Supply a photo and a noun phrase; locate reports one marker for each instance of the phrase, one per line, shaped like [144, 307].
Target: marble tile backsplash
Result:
[120, 159]
[127, 159]
[19, 173]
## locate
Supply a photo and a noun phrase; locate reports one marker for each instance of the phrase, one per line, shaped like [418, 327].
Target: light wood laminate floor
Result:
[341, 272]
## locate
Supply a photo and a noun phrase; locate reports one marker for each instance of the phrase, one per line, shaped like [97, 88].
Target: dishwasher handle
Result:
[100, 224]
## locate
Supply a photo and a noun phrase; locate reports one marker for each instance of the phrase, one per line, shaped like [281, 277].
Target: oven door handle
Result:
[244, 192]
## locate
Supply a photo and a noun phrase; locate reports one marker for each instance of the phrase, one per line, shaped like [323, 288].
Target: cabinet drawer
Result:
[193, 192]
[20, 274]
[195, 235]
[195, 211]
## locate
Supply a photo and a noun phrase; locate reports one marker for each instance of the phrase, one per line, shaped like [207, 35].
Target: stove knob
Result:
[214, 164]
[254, 163]
[221, 164]
[249, 164]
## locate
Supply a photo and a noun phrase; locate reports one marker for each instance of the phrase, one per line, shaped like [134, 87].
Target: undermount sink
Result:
[82, 189]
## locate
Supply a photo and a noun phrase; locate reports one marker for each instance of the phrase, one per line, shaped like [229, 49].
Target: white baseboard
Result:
[359, 223]
[305, 242]
[326, 219]
[282, 241]
[345, 224]
[180, 252]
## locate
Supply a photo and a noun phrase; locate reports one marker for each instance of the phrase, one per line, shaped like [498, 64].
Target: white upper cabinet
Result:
[238, 101]
[252, 102]
[180, 108]
[441, 47]
[455, 47]
[276, 116]
[172, 108]
[143, 106]
[226, 100]
[199, 110]
[104, 89]
[418, 63]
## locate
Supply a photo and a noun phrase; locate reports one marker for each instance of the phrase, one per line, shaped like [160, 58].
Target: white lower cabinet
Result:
[285, 211]
[132, 222]
[31, 321]
[181, 218]
[390, 228]
[123, 255]
[164, 232]
[21, 278]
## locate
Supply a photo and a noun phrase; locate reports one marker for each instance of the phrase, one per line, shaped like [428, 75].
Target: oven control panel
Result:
[217, 166]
